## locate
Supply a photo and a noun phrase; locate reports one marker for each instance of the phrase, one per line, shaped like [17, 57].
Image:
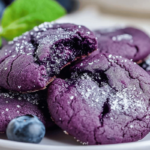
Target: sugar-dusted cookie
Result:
[128, 42]
[104, 100]
[31, 61]
[13, 105]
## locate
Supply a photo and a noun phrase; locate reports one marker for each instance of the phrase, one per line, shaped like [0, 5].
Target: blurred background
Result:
[138, 8]
[103, 13]
[123, 7]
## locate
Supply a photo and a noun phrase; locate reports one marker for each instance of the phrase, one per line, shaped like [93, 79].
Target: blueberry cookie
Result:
[104, 100]
[13, 105]
[128, 42]
[31, 61]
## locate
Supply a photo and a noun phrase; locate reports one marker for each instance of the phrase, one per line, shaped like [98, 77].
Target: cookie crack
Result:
[5, 58]
[137, 50]
[94, 133]
[11, 70]
[136, 119]
[34, 44]
[106, 110]
[60, 107]
[127, 72]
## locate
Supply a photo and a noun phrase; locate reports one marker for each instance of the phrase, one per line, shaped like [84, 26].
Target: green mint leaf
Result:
[23, 15]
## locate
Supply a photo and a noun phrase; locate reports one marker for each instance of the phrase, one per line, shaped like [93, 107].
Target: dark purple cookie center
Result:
[62, 52]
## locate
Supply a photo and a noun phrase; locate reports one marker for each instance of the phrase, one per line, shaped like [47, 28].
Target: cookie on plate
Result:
[13, 105]
[31, 61]
[104, 100]
[128, 42]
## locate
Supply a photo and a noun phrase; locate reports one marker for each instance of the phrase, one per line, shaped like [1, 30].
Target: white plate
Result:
[56, 139]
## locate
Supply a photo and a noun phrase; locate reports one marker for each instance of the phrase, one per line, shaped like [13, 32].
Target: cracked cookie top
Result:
[128, 42]
[104, 100]
[31, 61]
[16, 104]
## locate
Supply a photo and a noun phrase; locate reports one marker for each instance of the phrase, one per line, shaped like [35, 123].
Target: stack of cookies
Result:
[89, 82]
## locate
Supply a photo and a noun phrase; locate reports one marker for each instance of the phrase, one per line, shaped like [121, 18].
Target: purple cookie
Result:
[104, 101]
[128, 42]
[31, 61]
[13, 105]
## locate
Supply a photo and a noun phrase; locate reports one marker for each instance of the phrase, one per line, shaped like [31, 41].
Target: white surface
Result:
[130, 6]
[56, 139]
[93, 18]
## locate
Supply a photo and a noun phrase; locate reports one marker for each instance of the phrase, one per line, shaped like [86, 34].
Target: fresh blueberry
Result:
[26, 128]
[3, 4]
[2, 7]
[7, 2]
[69, 5]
